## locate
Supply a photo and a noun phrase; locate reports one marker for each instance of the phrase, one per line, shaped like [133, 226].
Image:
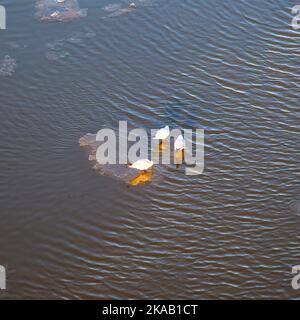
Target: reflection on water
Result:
[179, 157]
[232, 232]
[142, 178]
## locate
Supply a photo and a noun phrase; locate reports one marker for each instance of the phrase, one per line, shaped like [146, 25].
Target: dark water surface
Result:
[230, 67]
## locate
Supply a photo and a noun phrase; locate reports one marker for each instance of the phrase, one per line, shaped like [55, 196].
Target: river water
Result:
[228, 67]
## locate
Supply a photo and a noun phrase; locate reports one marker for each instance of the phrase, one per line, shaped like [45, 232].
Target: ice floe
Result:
[59, 10]
[119, 171]
[57, 48]
[7, 66]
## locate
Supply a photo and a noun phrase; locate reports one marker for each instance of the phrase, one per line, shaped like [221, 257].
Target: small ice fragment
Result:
[52, 55]
[87, 139]
[76, 37]
[7, 66]
[55, 14]
[92, 157]
[132, 5]
[112, 7]
[90, 35]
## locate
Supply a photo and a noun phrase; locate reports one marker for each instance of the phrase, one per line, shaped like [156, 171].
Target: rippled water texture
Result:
[229, 67]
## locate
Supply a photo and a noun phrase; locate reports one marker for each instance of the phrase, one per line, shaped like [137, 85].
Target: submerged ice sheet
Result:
[59, 10]
[7, 66]
[295, 207]
[88, 140]
[120, 171]
[57, 49]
